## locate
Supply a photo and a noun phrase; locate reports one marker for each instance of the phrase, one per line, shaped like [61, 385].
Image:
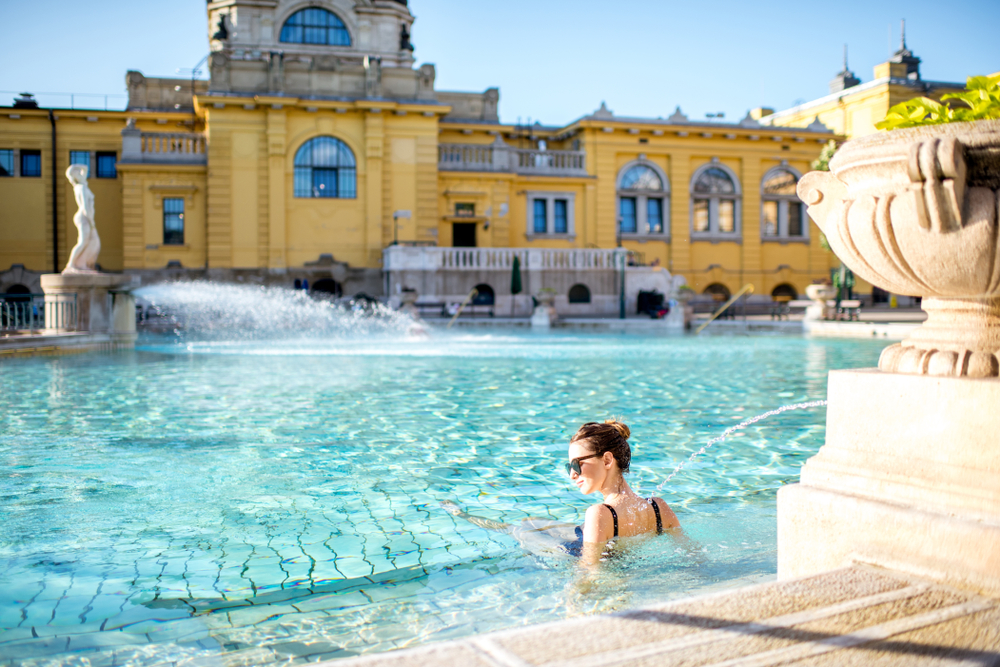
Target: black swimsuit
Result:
[656, 510]
[575, 547]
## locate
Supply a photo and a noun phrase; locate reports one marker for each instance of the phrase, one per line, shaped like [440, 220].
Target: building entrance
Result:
[463, 235]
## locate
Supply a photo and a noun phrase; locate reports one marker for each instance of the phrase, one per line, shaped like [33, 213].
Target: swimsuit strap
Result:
[614, 515]
[659, 521]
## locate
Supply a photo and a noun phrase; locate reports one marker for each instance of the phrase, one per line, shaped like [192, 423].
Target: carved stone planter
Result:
[914, 211]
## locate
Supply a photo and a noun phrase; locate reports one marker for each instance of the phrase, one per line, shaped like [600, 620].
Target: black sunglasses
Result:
[574, 464]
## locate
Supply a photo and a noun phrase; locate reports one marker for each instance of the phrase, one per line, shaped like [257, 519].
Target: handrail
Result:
[746, 289]
[472, 295]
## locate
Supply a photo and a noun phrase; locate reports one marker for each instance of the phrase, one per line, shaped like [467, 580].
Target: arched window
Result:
[484, 296]
[643, 200]
[715, 202]
[782, 213]
[324, 167]
[315, 26]
[579, 294]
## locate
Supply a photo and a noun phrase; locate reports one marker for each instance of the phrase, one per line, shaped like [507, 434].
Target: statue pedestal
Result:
[103, 304]
[909, 479]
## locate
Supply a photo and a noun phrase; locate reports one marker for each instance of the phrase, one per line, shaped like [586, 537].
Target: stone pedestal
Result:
[909, 478]
[103, 303]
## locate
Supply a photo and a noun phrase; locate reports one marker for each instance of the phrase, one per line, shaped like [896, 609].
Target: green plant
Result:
[982, 95]
[822, 163]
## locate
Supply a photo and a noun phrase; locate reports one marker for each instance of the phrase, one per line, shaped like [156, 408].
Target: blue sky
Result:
[553, 60]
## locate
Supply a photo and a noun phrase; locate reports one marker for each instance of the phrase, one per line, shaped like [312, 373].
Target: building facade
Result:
[317, 147]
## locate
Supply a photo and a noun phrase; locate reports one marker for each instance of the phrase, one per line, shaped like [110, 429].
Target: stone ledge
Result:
[860, 613]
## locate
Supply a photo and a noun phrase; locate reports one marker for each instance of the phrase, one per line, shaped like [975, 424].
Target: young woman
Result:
[599, 457]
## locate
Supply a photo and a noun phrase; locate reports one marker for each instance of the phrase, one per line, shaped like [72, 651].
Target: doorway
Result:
[463, 235]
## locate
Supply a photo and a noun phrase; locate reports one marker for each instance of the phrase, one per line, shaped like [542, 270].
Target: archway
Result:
[327, 286]
[784, 290]
[579, 293]
[484, 295]
[717, 290]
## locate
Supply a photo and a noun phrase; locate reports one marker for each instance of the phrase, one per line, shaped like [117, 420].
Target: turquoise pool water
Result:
[280, 501]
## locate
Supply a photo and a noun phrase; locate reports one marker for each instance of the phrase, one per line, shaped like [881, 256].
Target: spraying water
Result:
[732, 429]
[204, 309]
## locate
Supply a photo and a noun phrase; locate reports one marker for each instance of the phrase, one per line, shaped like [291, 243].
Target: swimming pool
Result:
[276, 501]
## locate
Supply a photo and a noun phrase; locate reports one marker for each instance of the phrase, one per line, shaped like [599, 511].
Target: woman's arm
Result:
[598, 528]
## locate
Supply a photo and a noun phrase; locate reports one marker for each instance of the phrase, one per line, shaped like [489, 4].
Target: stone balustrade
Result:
[163, 147]
[498, 156]
[416, 258]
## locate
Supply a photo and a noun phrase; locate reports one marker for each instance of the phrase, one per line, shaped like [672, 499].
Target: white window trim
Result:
[642, 232]
[784, 201]
[550, 209]
[713, 208]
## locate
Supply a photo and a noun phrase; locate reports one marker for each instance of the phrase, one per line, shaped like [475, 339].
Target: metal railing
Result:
[35, 312]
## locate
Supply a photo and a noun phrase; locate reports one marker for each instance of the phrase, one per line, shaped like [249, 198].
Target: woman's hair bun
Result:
[622, 429]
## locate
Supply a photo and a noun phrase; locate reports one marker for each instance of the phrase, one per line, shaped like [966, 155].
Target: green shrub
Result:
[982, 95]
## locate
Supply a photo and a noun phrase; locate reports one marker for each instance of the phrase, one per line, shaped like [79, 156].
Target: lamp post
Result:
[395, 224]
[621, 282]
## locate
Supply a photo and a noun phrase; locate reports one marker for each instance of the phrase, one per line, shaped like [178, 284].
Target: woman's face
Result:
[592, 471]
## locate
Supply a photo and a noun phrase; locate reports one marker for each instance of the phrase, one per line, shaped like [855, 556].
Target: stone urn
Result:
[914, 211]
[819, 295]
[544, 315]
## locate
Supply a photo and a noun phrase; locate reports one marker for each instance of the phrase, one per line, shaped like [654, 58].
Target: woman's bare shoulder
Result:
[667, 514]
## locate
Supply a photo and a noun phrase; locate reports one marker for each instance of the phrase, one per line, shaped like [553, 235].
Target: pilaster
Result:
[374, 209]
[276, 159]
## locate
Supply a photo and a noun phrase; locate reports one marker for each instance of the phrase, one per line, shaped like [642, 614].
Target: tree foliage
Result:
[981, 95]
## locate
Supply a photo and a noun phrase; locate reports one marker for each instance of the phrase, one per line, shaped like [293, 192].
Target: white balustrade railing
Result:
[163, 147]
[410, 258]
[498, 156]
[173, 147]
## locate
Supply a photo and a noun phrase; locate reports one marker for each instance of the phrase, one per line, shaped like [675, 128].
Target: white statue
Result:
[83, 258]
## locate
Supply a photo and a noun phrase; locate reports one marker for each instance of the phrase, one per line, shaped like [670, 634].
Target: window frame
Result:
[163, 206]
[341, 170]
[301, 10]
[642, 198]
[784, 203]
[32, 152]
[550, 198]
[13, 163]
[713, 234]
[97, 164]
[87, 164]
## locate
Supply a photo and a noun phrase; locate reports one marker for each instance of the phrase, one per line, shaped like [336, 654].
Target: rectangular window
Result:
[541, 225]
[701, 215]
[31, 163]
[770, 221]
[559, 216]
[173, 221]
[107, 165]
[627, 213]
[727, 216]
[6, 162]
[465, 210]
[654, 215]
[794, 219]
[80, 157]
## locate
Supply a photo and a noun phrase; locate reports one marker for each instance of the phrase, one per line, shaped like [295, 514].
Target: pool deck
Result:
[859, 615]
[39, 344]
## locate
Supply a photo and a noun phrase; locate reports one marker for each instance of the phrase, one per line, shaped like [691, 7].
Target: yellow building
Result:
[852, 108]
[317, 145]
